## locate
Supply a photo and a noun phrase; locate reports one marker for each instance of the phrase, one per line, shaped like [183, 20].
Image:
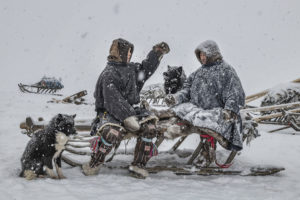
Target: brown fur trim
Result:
[211, 50]
[114, 54]
[119, 50]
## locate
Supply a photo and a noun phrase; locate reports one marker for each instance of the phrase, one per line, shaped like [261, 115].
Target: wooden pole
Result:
[195, 153]
[271, 108]
[266, 117]
[178, 143]
[260, 94]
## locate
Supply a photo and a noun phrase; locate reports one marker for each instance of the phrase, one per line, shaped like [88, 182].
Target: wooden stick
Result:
[196, 153]
[270, 108]
[159, 140]
[257, 95]
[70, 162]
[75, 96]
[279, 129]
[78, 152]
[79, 146]
[266, 117]
[178, 143]
[296, 81]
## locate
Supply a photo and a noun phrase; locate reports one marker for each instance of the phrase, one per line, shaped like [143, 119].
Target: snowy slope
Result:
[70, 39]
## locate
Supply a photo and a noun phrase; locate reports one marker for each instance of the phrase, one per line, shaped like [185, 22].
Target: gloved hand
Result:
[170, 100]
[132, 124]
[162, 47]
[144, 104]
[228, 115]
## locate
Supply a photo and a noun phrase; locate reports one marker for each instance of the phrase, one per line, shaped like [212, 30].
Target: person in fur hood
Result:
[117, 91]
[214, 95]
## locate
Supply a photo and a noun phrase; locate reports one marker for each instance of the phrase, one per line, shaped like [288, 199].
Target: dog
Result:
[46, 146]
[174, 78]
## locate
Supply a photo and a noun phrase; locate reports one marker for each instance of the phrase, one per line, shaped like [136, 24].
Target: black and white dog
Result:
[46, 146]
[174, 79]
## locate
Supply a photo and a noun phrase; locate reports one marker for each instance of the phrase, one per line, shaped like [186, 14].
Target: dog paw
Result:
[29, 175]
[53, 177]
[62, 177]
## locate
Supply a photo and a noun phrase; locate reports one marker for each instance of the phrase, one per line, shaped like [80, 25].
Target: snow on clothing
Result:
[117, 90]
[211, 88]
[119, 85]
[212, 119]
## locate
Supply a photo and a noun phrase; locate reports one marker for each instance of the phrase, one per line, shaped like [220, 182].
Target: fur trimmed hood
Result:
[119, 49]
[211, 49]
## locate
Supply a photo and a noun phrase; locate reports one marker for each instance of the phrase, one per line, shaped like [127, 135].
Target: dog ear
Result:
[169, 67]
[58, 119]
[59, 116]
[74, 116]
[180, 69]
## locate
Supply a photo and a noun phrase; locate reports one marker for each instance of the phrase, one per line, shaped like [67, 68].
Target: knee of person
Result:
[112, 134]
[149, 130]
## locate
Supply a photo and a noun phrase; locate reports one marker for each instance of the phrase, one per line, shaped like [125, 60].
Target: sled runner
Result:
[45, 86]
[182, 169]
[208, 171]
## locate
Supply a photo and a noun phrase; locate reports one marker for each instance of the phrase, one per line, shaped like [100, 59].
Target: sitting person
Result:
[212, 96]
[117, 90]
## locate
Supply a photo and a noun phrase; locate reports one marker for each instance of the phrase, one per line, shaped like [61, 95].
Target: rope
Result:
[212, 143]
[94, 143]
[154, 150]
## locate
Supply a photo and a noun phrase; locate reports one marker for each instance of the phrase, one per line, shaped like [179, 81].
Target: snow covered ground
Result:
[280, 149]
[71, 38]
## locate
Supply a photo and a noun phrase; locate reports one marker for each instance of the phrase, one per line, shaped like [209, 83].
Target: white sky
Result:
[71, 38]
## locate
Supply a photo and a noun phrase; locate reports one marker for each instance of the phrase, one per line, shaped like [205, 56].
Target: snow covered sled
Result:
[76, 98]
[45, 86]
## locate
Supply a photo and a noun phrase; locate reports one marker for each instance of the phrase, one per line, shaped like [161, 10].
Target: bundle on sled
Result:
[47, 85]
[280, 106]
[283, 95]
[76, 98]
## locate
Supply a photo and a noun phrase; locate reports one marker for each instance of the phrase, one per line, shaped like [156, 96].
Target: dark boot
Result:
[143, 150]
[101, 146]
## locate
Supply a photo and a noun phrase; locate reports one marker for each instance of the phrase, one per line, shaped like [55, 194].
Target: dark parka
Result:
[119, 85]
